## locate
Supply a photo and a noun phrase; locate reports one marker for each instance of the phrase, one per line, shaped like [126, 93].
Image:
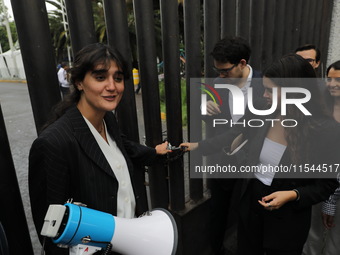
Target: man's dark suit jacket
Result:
[65, 162]
[258, 90]
[222, 189]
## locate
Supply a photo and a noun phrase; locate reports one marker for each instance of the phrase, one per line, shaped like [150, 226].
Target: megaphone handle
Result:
[103, 251]
[106, 251]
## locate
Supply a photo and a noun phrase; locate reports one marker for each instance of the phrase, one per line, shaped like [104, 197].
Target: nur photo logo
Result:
[281, 98]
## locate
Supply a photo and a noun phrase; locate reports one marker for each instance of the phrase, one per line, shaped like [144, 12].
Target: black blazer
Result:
[218, 156]
[288, 226]
[258, 90]
[65, 162]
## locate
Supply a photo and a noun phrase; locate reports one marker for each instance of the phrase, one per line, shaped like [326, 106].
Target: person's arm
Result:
[145, 155]
[224, 140]
[212, 108]
[214, 144]
[162, 149]
[327, 151]
[303, 196]
[48, 184]
[329, 208]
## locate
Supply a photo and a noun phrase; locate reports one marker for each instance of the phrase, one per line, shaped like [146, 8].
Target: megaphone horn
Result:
[155, 233]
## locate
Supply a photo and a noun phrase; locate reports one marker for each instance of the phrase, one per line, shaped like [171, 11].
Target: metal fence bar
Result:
[172, 82]
[279, 29]
[256, 37]
[311, 19]
[289, 27]
[211, 33]
[38, 58]
[144, 17]
[297, 24]
[118, 36]
[81, 23]
[12, 215]
[244, 7]
[305, 22]
[317, 27]
[228, 18]
[326, 20]
[192, 30]
[268, 33]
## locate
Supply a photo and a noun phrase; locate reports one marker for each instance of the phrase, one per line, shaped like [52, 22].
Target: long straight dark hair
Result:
[329, 100]
[86, 60]
[292, 71]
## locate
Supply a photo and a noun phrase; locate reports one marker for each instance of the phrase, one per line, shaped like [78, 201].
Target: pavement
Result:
[17, 111]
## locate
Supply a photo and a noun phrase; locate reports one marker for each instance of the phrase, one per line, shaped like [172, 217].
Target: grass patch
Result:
[183, 99]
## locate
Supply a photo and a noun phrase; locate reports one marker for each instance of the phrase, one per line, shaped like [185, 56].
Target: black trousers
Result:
[251, 235]
[64, 91]
[221, 196]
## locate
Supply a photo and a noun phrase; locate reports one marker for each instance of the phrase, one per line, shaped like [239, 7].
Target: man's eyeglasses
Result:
[310, 60]
[223, 71]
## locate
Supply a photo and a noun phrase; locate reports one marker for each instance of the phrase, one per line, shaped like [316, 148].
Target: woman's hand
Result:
[277, 199]
[162, 148]
[189, 146]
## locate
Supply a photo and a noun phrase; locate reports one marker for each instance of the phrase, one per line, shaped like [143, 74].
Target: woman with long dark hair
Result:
[332, 93]
[275, 206]
[81, 154]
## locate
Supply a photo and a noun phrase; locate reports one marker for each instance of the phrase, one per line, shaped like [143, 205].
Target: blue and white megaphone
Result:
[71, 225]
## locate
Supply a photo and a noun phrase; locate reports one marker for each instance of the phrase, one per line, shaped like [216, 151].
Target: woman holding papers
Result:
[275, 205]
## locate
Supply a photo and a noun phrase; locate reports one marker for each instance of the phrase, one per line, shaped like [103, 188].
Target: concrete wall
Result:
[334, 39]
[10, 69]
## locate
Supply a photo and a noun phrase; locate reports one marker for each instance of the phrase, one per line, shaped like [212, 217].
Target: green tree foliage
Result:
[3, 36]
[3, 32]
[60, 36]
[60, 39]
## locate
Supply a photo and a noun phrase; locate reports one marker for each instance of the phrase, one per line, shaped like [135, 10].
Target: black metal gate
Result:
[273, 27]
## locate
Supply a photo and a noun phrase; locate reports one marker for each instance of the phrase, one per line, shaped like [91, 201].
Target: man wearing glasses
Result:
[231, 56]
[310, 53]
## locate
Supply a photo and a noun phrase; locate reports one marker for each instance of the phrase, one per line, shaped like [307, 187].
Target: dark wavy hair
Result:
[232, 50]
[86, 60]
[294, 71]
[335, 65]
[329, 100]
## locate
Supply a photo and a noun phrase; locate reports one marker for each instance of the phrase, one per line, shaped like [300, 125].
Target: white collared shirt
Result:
[126, 202]
[62, 78]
